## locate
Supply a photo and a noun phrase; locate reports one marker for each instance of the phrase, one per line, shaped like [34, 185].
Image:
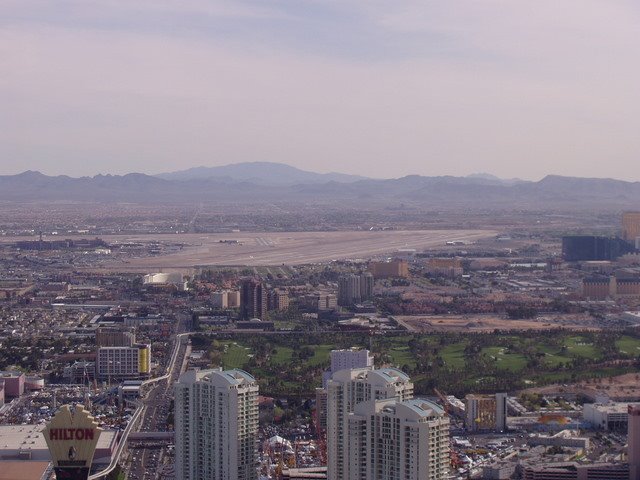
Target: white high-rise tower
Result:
[216, 425]
[393, 440]
[345, 390]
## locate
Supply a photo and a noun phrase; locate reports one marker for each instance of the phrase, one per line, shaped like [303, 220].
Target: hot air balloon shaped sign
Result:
[72, 437]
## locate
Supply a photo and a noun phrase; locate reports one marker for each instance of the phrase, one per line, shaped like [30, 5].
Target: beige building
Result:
[233, 298]
[599, 288]
[446, 267]
[321, 410]
[631, 226]
[394, 268]
[346, 359]
[220, 299]
[325, 301]
[278, 300]
[226, 299]
[216, 425]
[115, 337]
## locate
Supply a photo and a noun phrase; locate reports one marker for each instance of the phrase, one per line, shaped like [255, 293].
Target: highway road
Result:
[145, 462]
[151, 412]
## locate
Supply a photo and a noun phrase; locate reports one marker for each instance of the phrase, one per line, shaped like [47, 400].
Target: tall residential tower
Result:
[216, 425]
[253, 300]
[393, 440]
[345, 390]
[633, 442]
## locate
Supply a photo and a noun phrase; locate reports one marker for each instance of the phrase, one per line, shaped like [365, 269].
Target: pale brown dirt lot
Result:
[622, 387]
[488, 323]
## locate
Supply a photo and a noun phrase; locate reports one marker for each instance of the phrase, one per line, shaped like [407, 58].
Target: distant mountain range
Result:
[276, 183]
[261, 173]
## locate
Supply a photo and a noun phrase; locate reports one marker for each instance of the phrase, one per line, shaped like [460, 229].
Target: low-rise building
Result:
[80, 371]
[607, 416]
[575, 471]
[27, 443]
[395, 268]
[13, 383]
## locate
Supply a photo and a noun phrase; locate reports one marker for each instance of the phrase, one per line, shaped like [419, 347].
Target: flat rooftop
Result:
[614, 407]
[23, 470]
[29, 438]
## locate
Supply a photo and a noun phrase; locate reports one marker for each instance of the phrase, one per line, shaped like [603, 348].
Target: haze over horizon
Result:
[512, 88]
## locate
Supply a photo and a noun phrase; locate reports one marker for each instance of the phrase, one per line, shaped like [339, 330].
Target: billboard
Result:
[72, 436]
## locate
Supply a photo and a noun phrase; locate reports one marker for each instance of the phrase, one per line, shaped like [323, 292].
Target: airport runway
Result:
[289, 248]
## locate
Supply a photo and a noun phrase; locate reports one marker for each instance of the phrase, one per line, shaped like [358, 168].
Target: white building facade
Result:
[345, 390]
[121, 363]
[350, 358]
[216, 425]
[607, 416]
[391, 440]
[347, 359]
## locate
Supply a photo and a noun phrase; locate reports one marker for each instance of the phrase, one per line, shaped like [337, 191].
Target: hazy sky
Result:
[377, 87]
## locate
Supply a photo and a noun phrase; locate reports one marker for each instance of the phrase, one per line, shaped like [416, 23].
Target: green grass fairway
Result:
[320, 354]
[401, 355]
[292, 364]
[282, 355]
[453, 355]
[236, 356]
[582, 347]
[552, 356]
[629, 345]
[514, 362]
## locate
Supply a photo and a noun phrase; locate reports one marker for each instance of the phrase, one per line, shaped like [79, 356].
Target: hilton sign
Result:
[72, 436]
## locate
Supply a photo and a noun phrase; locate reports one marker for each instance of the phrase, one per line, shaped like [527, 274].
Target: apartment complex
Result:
[390, 439]
[345, 390]
[325, 301]
[600, 288]
[354, 289]
[123, 363]
[216, 425]
[340, 360]
[226, 299]
[486, 412]
[115, 337]
[253, 300]
[278, 300]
